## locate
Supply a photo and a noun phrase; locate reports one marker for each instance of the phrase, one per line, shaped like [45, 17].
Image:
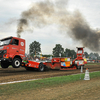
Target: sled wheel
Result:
[41, 67]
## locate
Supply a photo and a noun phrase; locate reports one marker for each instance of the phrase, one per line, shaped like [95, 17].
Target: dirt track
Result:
[11, 74]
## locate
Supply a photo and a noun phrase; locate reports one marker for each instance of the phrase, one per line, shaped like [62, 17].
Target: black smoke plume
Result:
[46, 13]
[21, 26]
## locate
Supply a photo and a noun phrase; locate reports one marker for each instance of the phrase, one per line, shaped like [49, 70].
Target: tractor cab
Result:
[80, 52]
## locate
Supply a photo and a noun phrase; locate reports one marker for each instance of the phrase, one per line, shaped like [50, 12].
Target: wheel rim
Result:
[17, 63]
[41, 67]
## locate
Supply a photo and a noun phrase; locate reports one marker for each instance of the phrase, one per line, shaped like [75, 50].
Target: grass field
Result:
[42, 83]
[19, 91]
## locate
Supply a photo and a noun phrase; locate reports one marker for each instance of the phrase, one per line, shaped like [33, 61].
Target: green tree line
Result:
[59, 51]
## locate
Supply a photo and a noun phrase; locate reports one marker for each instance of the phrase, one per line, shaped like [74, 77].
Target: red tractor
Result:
[12, 51]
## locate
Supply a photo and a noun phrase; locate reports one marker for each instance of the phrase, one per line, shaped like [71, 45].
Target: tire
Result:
[41, 67]
[78, 67]
[4, 64]
[16, 63]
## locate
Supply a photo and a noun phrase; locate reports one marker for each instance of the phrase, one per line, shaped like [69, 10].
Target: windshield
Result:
[5, 42]
[79, 51]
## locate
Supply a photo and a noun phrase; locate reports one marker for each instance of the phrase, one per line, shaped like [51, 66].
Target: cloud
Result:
[13, 9]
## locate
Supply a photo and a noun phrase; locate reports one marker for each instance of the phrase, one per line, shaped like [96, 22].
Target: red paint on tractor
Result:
[12, 52]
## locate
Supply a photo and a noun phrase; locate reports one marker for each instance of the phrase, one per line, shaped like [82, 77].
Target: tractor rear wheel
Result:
[4, 64]
[16, 63]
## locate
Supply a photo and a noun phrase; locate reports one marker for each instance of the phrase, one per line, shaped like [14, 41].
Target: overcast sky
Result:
[48, 36]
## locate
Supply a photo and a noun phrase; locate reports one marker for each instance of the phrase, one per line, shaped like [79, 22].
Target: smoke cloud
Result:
[21, 26]
[74, 24]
